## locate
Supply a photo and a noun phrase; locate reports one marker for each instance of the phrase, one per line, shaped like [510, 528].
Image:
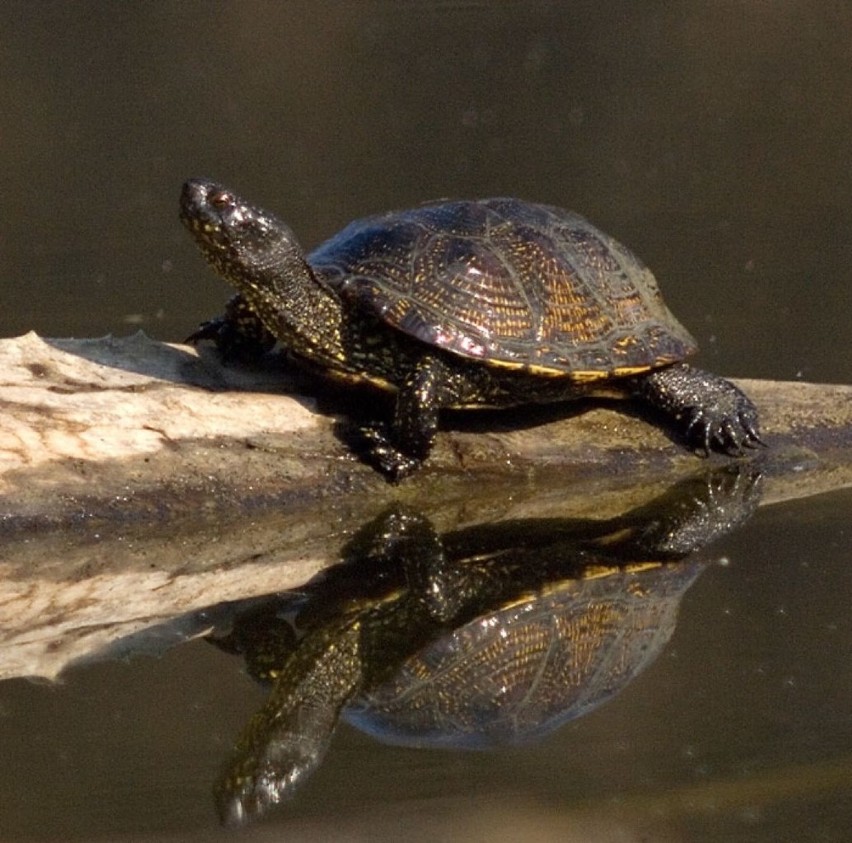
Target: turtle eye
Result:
[221, 199]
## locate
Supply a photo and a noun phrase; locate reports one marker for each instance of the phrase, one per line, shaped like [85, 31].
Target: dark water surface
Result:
[712, 138]
[740, 730]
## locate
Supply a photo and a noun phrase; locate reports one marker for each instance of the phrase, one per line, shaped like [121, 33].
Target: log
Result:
[140, 480]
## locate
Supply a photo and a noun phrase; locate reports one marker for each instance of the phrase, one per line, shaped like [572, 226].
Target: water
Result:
[711, 139]
[739, 730]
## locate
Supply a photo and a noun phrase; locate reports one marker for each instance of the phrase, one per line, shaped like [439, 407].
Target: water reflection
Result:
[484, 636]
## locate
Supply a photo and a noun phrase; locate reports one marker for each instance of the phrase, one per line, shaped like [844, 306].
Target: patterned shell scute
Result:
[509, 282]
[517, 674]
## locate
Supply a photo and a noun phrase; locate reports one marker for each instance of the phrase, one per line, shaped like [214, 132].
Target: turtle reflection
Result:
[489, 635]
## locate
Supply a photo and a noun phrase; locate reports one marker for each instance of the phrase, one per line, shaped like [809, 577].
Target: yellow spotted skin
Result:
[492, 302]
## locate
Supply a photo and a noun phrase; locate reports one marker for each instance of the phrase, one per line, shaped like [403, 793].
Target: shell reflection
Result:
[489, 635]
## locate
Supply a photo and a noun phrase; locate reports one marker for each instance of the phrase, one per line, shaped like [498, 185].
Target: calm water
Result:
[711, 138]
[740, 729]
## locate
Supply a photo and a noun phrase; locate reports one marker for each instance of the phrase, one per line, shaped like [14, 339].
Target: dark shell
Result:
[509, 282]
[520, 672]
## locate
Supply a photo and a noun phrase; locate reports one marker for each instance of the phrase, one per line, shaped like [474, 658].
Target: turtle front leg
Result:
[238, 333]
[400, 448]
[712, 412]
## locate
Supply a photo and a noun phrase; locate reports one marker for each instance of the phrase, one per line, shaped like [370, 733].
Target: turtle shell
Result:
[522, 671]
[508, 282]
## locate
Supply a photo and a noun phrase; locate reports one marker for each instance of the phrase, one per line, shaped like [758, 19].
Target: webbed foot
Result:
[375, 443]
[712, 413]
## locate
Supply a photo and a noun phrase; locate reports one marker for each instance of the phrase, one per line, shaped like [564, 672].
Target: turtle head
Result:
[235, 236]
[259, 255]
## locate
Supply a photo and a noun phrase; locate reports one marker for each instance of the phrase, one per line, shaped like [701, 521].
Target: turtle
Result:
[485, 636]
[458, 304]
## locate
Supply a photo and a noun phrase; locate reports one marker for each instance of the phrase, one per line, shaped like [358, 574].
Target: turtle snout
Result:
[198, 194]
[205, 207]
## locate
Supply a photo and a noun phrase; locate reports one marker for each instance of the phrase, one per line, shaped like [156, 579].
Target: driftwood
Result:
[139, 480]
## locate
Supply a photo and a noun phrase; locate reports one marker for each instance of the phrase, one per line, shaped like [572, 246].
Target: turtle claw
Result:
[719, 416]
[232, 345]
[731, 433]
[752, 432]
[238, 334]
[210, 330]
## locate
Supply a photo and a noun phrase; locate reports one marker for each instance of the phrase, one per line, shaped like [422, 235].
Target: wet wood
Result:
[139, 480]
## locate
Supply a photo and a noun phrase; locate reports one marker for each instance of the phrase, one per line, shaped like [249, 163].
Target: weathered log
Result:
[126, 429]
[139, 480]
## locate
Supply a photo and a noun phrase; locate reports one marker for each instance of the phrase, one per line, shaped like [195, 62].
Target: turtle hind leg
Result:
[712, 412]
